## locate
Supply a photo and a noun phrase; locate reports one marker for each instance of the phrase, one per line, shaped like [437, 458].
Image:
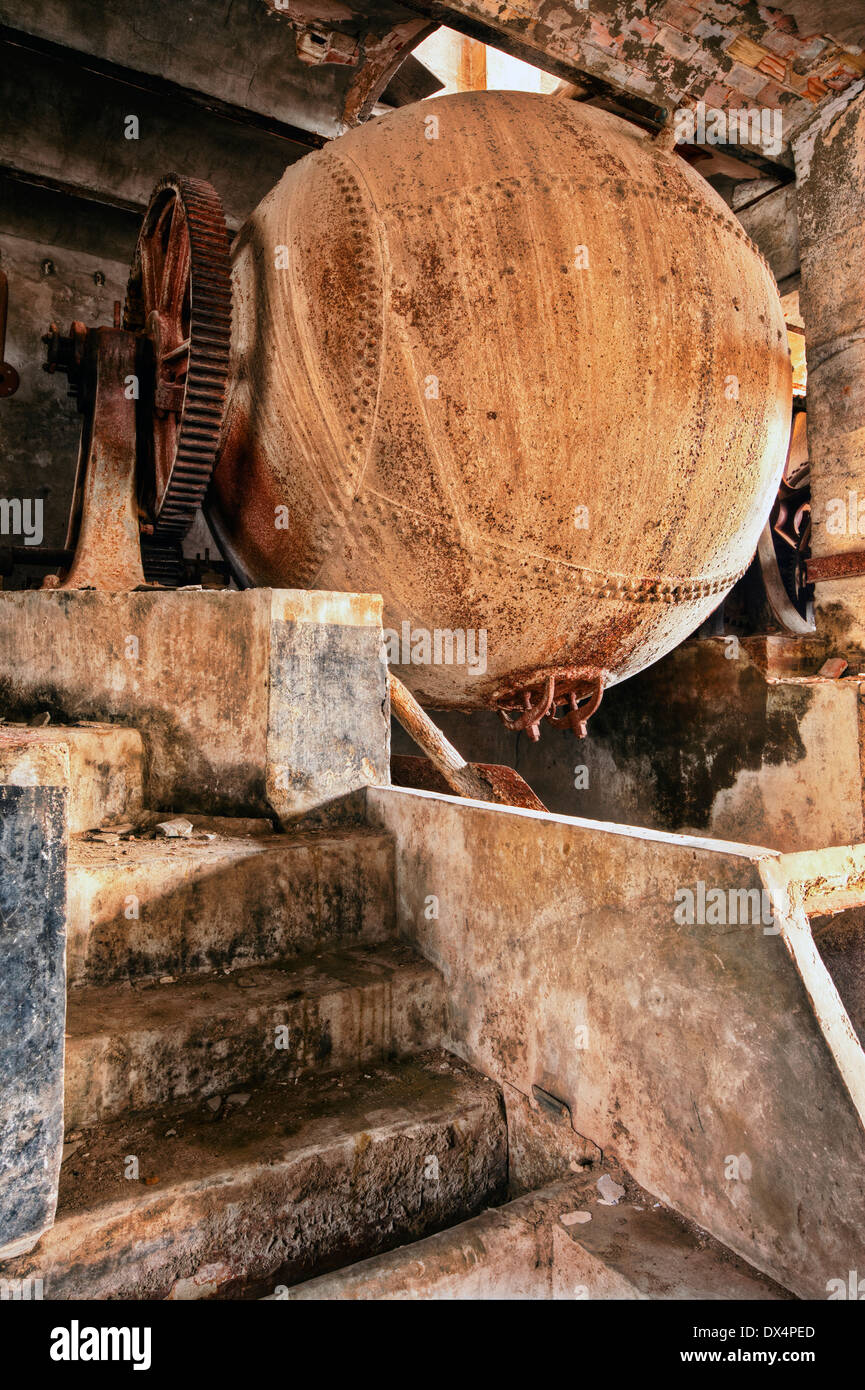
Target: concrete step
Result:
[131, 1049]
[300, 1179]
[106, 770]
[147, 907]
[561, 1242]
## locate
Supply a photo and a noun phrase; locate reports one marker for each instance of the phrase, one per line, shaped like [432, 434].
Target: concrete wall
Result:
[676, 1047]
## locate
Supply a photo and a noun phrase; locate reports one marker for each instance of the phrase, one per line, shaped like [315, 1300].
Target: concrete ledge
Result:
[132, 1049]
[155, 907]
[106, 769]
[247, 702]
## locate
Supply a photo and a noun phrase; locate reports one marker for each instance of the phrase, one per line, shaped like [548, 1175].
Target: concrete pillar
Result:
[34, 792]
[830, 164]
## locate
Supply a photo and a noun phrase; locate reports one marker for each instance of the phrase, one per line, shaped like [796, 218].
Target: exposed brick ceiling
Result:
[792, 55]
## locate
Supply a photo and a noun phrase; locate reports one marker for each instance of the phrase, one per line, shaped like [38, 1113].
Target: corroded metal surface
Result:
[847, 566]
[508, 787]
[108, 553]
[521, 372]
[785, 544]
[459, 775]
[103, 531]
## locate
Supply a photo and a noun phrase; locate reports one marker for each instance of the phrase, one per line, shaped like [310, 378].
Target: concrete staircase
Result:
[257, 1103]
[244, 1192]
[254, 1087]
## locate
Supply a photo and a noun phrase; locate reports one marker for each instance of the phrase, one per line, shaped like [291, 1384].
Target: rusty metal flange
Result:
[581, 697]
[179, 301]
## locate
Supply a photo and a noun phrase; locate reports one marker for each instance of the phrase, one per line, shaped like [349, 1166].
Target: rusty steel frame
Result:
[822, 569]
[176, 338]
[108, 551]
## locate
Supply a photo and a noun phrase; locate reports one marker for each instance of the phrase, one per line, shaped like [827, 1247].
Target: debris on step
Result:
[102, 837]
[575, 1218]
[111, 832]
[204, 1284]
[40, 720]
[833, 668]
[234, 827]
[239, 1098]
[611, 1192]
[213, 1103]
[174, 829]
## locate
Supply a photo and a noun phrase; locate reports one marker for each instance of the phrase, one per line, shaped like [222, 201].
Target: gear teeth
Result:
[209, 347]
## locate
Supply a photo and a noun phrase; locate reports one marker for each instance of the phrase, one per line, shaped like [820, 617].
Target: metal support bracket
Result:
[108, 550]
[821, 568]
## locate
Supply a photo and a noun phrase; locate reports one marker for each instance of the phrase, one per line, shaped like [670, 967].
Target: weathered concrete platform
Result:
[560, 1242]
[709, 1056]
[234, 694]
[298, 1178]
[155, 907]
[130, 1049]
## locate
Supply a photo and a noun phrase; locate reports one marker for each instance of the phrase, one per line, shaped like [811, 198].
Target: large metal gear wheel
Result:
[179, 302]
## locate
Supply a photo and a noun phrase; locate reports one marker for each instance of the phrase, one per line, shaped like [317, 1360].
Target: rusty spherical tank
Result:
[508, 362]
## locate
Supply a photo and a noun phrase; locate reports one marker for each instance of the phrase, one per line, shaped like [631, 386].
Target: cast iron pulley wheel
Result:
[179, 301]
